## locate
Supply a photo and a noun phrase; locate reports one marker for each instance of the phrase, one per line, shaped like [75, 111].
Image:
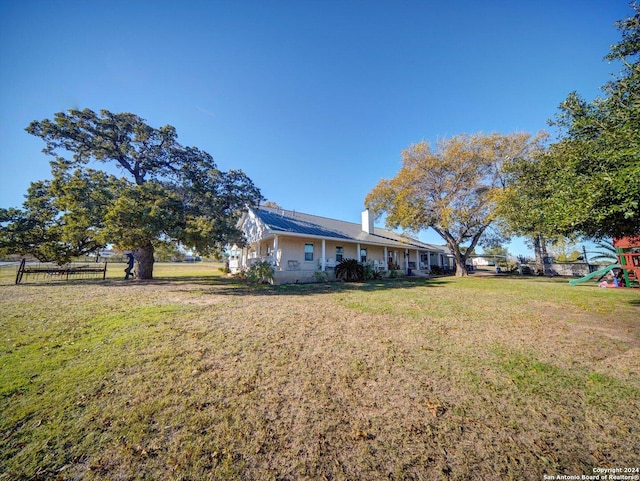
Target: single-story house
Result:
[300, 245]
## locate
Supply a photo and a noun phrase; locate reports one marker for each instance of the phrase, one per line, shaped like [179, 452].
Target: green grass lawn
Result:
[196, 376]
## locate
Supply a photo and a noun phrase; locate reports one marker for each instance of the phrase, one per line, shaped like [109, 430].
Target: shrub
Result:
[260, 273]
[321, 276]
[350, 270]
[371, 273]
[437, 270]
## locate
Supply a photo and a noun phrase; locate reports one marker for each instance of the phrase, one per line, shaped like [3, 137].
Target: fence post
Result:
[20, 271]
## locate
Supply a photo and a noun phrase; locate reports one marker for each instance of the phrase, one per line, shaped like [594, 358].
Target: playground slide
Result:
[600, 272]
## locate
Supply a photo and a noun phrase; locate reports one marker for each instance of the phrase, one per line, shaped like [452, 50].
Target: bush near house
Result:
[370, 273]
[350, 270]
[437, 271]
[260, 273]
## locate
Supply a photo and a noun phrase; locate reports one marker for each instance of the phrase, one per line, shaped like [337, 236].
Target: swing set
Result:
[628, 254]
[628, 261]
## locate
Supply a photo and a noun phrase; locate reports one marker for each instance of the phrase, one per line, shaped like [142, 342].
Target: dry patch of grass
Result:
[195, 377]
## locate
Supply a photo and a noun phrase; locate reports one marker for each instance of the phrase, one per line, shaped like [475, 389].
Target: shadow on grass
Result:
[234, 287]
[535, 278]
[222, 285]
[230, 286]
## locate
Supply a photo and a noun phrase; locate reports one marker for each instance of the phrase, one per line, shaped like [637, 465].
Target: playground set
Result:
[628, 262]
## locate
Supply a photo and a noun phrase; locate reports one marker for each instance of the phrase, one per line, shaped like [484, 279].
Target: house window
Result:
[363, 255]
[339, 253]
[308, 252]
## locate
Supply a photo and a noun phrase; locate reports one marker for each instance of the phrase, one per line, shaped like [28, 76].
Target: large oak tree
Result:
[451, 188]
[167, 193]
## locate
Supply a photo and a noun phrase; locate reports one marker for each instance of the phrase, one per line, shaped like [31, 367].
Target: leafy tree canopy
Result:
[452, 188]
[167, 193]
[588, 183]
[61, 218]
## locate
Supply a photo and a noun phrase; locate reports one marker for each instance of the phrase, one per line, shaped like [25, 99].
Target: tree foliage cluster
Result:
[586, 183]
[167, 193]
[452, 188]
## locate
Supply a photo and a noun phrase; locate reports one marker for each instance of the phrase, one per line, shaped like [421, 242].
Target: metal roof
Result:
[281, 223]
[292, 222]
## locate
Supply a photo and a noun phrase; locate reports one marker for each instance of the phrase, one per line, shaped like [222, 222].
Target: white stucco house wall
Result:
[298, 245]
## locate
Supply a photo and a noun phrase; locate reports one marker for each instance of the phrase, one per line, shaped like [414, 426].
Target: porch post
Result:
[386, 259]
[324, 255]
[406, 260]
[358, 252]
[417, 260]
[275, 252]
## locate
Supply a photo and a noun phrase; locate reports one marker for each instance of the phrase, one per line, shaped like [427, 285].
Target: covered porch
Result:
[298, 258]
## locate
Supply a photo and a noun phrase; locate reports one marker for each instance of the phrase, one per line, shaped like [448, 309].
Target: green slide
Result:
[600, 272]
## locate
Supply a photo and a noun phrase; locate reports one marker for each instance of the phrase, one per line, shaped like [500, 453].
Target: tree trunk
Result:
[144, 261]
[461, 261]
[543, 243]
[540, 249]
[537, 250]
[454, 248]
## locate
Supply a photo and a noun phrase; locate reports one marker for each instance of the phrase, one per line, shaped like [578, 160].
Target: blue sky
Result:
[314, 100]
